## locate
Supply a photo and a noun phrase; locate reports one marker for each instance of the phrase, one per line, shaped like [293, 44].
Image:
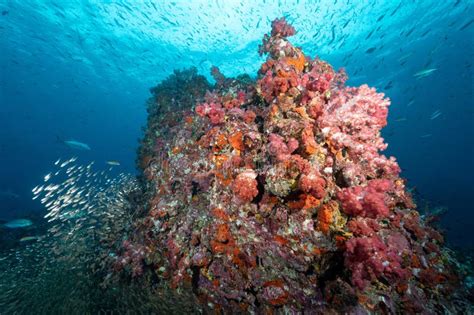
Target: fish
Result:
[333, 35]
[370, 50]
[113, 163]
[436, 114]
[18, 223]
[370, 34]
[396, 9]
[402, 60]
[401, 119]
[424, 34]
[345, 24]
[69, 215]
[424, 73]
[29, 238]
[410, 31]
[466, 25]
[388, 86]
[9, 194]
[77, 145]
[426, 135]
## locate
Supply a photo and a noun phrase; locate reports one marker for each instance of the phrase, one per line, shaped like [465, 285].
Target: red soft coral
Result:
[363, 226]
[282, 28]
[369, 258]
[362, 260]
[313, 184]
[245, 186]
[213, 111]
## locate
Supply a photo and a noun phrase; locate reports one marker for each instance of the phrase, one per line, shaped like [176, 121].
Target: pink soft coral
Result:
[278, 148]
[352, 120]
[369, 201]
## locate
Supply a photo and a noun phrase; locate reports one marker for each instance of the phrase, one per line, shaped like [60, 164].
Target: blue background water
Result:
[82, 69]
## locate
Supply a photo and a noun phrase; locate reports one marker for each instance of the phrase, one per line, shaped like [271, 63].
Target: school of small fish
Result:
[86, 210]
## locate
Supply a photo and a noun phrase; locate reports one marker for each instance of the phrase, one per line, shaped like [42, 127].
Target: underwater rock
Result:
[272, 196]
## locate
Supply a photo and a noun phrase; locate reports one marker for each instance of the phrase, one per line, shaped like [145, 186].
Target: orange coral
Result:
[189, 120]
[274, 111]
[311, 202]
[176, 150]
[222, 233]
[220, 214]
[307, 136]
[236, 141]
[219, 160]
[280, 240]
[220, 142]
[305, 202]
[326, 216]
[302, 111]
[297, 62]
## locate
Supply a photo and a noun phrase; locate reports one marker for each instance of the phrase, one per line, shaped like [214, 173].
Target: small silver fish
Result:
[29, 238]
[77, 145]
[18, 223]
[424, 73]
[9, 194]
[113, 163]
[436, 114]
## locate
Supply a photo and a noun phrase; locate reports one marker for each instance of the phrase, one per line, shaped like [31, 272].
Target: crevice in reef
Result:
[260, 188]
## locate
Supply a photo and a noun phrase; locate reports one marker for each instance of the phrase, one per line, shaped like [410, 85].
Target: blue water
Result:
[82, 70]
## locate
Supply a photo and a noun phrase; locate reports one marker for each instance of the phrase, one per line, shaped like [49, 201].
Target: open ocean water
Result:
[75, 80]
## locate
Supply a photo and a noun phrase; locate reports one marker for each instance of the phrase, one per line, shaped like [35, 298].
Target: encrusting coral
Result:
[272, 195]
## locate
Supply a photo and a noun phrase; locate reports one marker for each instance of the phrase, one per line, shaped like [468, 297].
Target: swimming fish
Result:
[29, 238]
[18, 223]
[370, 50]
[466, 25]
[404, 58]
[77, 145]
[436, 114]
[424, 73]
[113, 163]
[9, 194]
[388, 86]
[410, 31]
